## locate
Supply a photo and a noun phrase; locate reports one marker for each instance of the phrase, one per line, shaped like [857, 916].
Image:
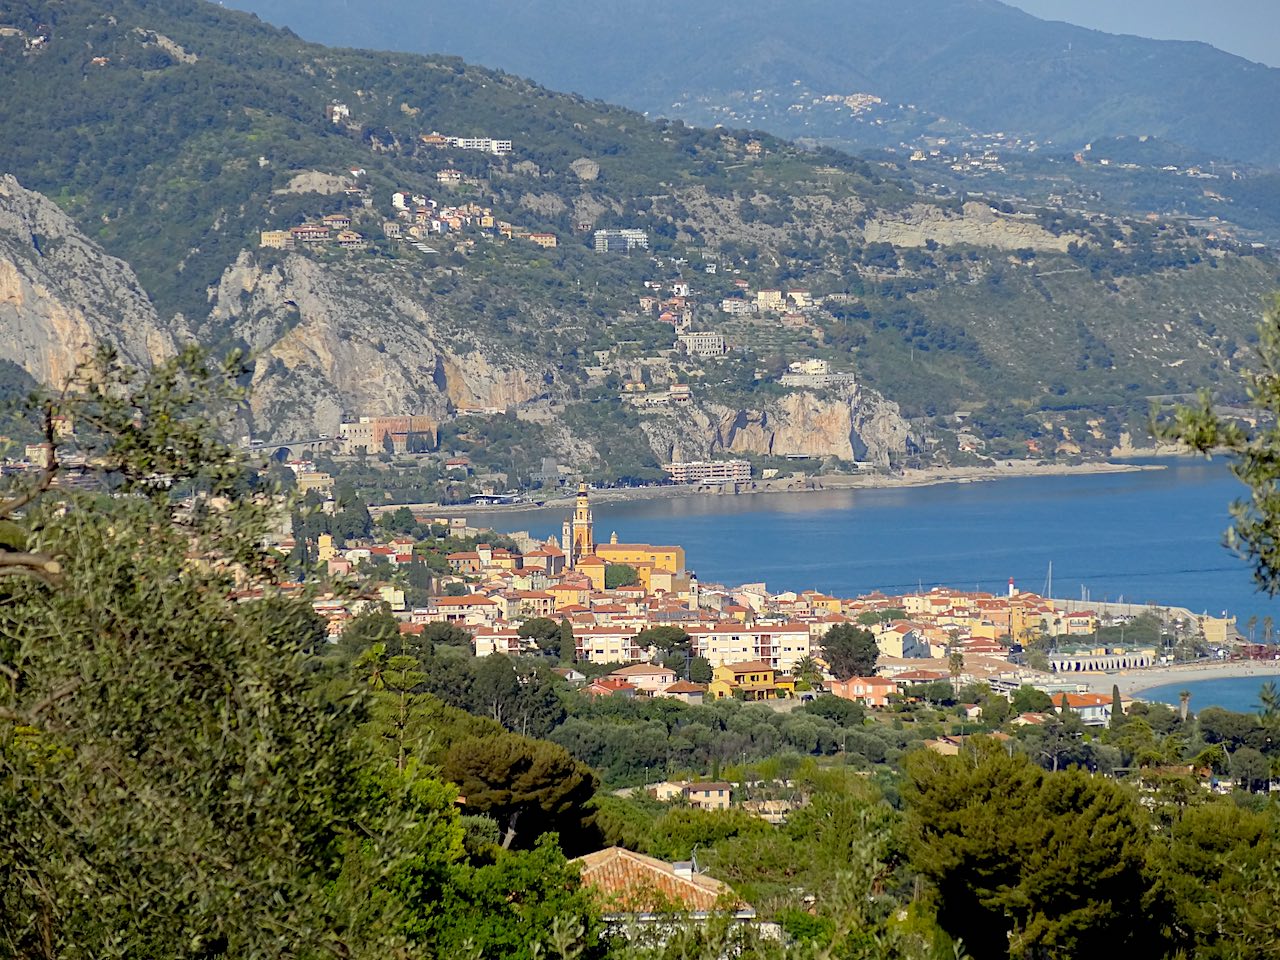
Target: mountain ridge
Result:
[984, 63]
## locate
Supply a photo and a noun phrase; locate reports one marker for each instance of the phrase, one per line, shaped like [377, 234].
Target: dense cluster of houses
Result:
[760, 645]
[331, 230]
[418, 217]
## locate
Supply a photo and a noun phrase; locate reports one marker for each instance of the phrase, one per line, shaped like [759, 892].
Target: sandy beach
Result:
[1133, 682]
[908, 478]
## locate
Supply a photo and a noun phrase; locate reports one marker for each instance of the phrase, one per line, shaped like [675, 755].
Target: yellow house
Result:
[670, 559]
[592, 567]
[754, 678]
[318, 481]
[276, 239]
[820, 603]
[325, 550]
[769, 300]
[569, 595]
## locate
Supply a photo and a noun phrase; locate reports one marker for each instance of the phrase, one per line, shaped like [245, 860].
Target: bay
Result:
[1142, 537]
[1231, 693]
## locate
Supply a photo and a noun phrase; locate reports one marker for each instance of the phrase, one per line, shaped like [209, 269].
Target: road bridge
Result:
[286, 450]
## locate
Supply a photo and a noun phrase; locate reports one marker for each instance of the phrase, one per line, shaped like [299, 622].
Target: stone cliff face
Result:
[856, 425]
[325, 346]
[978, 226]
[328, 341]
[61, 295]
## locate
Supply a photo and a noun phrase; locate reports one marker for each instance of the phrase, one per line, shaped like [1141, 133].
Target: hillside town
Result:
[751, 644]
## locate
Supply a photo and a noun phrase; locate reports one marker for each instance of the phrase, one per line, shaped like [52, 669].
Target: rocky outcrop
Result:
[855, 425]
[325, 343]
[61, 295]
[978, 226]
[584, 168]
[313, 181]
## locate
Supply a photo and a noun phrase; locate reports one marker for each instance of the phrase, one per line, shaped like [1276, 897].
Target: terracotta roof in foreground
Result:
[633, 883]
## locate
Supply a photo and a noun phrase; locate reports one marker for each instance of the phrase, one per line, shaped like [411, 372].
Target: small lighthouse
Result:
[1012, 589]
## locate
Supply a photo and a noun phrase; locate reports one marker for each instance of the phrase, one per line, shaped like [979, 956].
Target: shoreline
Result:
[927, 477]
[1134, 683]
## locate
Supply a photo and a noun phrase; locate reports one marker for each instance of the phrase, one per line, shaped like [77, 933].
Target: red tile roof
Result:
[628, 882]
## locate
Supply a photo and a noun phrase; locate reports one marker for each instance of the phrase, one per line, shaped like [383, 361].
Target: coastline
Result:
[1133, 682]
[927, 477]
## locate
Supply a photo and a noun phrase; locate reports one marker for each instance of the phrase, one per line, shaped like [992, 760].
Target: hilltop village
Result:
[632, 620]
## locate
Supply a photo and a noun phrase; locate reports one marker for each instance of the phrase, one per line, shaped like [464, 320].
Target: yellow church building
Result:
[658, 567]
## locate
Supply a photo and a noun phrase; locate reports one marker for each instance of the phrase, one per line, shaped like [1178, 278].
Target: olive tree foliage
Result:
[170, 784]
[1255, 527]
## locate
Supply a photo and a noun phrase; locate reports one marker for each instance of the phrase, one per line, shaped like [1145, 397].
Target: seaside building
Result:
[709, 471]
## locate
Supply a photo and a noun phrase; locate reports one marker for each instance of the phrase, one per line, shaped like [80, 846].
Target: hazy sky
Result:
[1249, 28]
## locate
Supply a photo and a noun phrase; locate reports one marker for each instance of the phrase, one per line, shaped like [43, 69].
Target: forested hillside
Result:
[184, 131]
[982, 65]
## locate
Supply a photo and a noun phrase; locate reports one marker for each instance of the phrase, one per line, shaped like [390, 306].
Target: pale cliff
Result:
[978, 226]
[325, 344]
[61, 295]
[855, 425]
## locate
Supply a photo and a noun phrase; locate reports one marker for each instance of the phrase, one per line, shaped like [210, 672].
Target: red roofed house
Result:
[473, 610]
[1094, 708]
[648, 678]
[872, 691]
[597, 644]
[309, 233]
[630, 886]
[489, 640]
[609, 687]
[708, 796]
[467, 562]
[535, 603]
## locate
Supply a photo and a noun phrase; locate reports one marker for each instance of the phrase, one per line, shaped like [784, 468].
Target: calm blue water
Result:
[1236, 693]
[1153, 536]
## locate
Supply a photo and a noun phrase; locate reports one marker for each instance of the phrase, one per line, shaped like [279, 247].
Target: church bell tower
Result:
[579, 530]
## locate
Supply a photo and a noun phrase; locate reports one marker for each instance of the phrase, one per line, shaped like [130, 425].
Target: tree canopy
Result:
[850, 651]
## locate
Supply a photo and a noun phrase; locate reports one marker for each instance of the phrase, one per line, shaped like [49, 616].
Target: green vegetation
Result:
[224, 783]
[850, 651]
[191, 124]
[1194, 95]
[176, 777]
[620, 575]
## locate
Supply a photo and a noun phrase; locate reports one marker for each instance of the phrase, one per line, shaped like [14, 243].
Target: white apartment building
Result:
[781, 646]
[606, 644]
[703, 344]
[709, 471]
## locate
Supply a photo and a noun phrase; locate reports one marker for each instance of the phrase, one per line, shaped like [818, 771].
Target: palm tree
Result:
[1253, 627]
[955, 663]
[807, 669]
[1184, 703]
[1267, 624]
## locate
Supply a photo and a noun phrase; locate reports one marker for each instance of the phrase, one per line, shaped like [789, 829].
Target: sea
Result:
[1151, 536]
[1231, 693]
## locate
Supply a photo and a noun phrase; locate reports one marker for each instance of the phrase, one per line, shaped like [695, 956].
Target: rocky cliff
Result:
[978, 226]
[855, 425]
[326, 343]
[60, 294]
